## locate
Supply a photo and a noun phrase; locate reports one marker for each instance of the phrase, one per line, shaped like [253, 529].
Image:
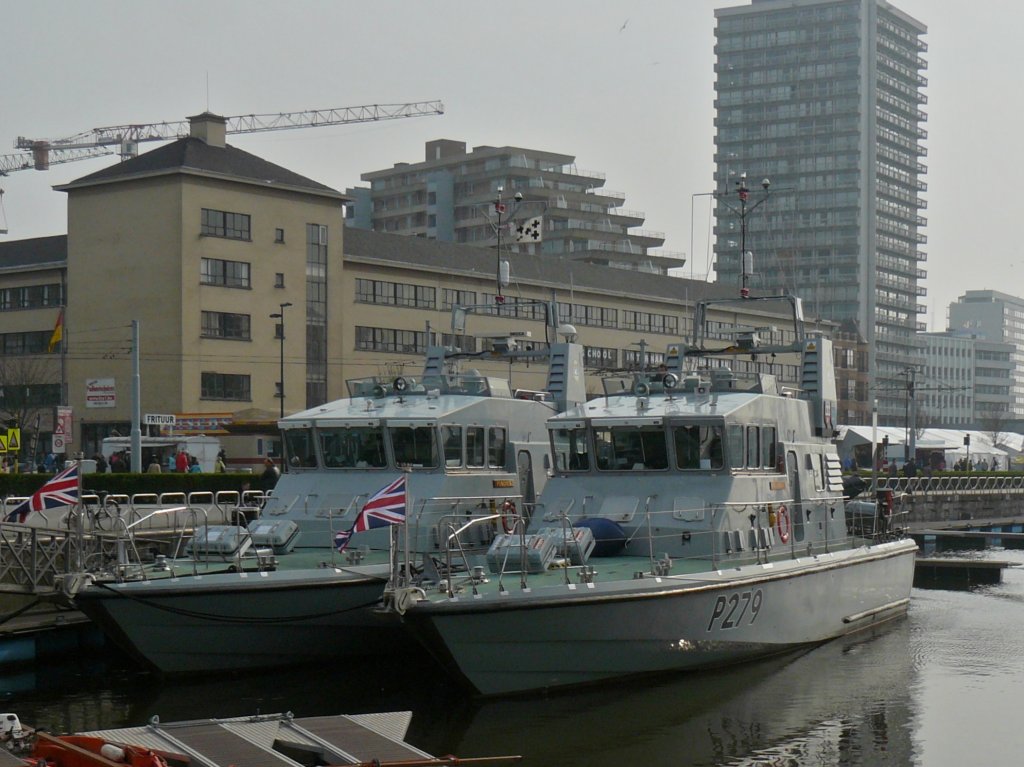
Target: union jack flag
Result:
[385, 507]
[62, 490]
[341, 539]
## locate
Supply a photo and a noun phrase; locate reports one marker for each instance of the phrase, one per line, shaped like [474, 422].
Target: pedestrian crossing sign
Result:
[3, 443]
[13, 440]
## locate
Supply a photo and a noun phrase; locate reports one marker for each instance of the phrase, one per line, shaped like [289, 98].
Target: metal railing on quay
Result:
[964, 484]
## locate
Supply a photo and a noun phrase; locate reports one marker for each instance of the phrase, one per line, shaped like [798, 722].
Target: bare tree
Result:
[995, 426]
[26, 387]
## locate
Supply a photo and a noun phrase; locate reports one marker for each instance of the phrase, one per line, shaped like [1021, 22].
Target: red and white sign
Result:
[100, 392]
[63, 428]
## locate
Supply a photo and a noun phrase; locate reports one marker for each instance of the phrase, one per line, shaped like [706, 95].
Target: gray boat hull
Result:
[576, 634]
[239, 621]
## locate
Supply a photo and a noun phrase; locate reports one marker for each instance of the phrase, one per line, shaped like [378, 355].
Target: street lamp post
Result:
[280, 383]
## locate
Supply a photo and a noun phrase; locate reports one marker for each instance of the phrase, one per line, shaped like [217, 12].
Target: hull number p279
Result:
[730, 611]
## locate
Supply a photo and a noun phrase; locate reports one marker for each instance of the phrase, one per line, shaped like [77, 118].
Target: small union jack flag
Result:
[62, 490]
[341, 539]
[385, 507]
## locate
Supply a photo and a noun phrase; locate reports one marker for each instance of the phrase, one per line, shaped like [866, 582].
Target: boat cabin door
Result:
[524, 466]
[797, 512]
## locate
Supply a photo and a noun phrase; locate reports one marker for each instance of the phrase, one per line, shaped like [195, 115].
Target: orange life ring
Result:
[782, 523]
[508, 516]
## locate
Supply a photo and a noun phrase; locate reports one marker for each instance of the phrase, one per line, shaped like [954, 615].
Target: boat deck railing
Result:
[767, 533]
[433, 519]
[102, 510]
[110, 536]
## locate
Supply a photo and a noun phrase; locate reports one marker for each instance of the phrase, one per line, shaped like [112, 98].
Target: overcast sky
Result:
[624, 85]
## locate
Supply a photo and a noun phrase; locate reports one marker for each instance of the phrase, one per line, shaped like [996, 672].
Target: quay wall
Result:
[956, 499]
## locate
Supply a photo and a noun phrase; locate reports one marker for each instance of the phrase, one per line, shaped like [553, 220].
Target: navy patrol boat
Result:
[469, 446]
[690, 522]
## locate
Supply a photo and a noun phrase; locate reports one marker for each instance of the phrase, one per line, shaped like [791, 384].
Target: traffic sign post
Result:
[62, 428]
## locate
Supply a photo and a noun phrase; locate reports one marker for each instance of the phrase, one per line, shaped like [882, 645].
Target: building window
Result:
[219, 223]
[224, 325]
[655, 323]
[450, 298]
[17, 396]
[279, 235]
[228, 274]
[600, 357]
[279, 280]
[225, 386]
[395, 294]
[31, 297]
[316, 314]
[390, 340]
[32, 342]
[632, 361]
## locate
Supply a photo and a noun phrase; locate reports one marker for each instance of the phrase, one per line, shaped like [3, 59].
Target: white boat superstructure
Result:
[467, 442]
[690, 522]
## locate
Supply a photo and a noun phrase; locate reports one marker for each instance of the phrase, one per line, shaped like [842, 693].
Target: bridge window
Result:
[631, 448]
[414, 446]
[496, 447]
[570, 449]
[735, 451]
[298, 448]
[769, 455]
[451, 437]
[698, 447]
[354, 447]
[753, 453]
[475, 447]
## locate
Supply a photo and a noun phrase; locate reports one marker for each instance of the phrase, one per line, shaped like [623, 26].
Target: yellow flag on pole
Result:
[58, 332]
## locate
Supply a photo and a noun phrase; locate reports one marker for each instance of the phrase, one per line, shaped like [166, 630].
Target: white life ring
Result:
[508, 516]
[782, 523]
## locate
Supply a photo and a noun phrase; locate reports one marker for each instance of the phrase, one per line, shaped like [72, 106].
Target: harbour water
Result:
[941, 687]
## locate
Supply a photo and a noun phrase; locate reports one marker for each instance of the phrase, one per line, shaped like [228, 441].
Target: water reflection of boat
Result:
[850, 696]
[721, 512]
[469, 445]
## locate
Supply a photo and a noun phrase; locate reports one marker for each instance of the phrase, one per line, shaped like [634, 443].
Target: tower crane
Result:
[40, 154]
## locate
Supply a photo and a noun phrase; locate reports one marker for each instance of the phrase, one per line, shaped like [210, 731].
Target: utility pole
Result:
[912, 415]
[280, 383]
[136, 459]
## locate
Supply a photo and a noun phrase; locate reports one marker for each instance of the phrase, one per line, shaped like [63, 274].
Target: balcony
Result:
[633, 215]
[609, 193]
